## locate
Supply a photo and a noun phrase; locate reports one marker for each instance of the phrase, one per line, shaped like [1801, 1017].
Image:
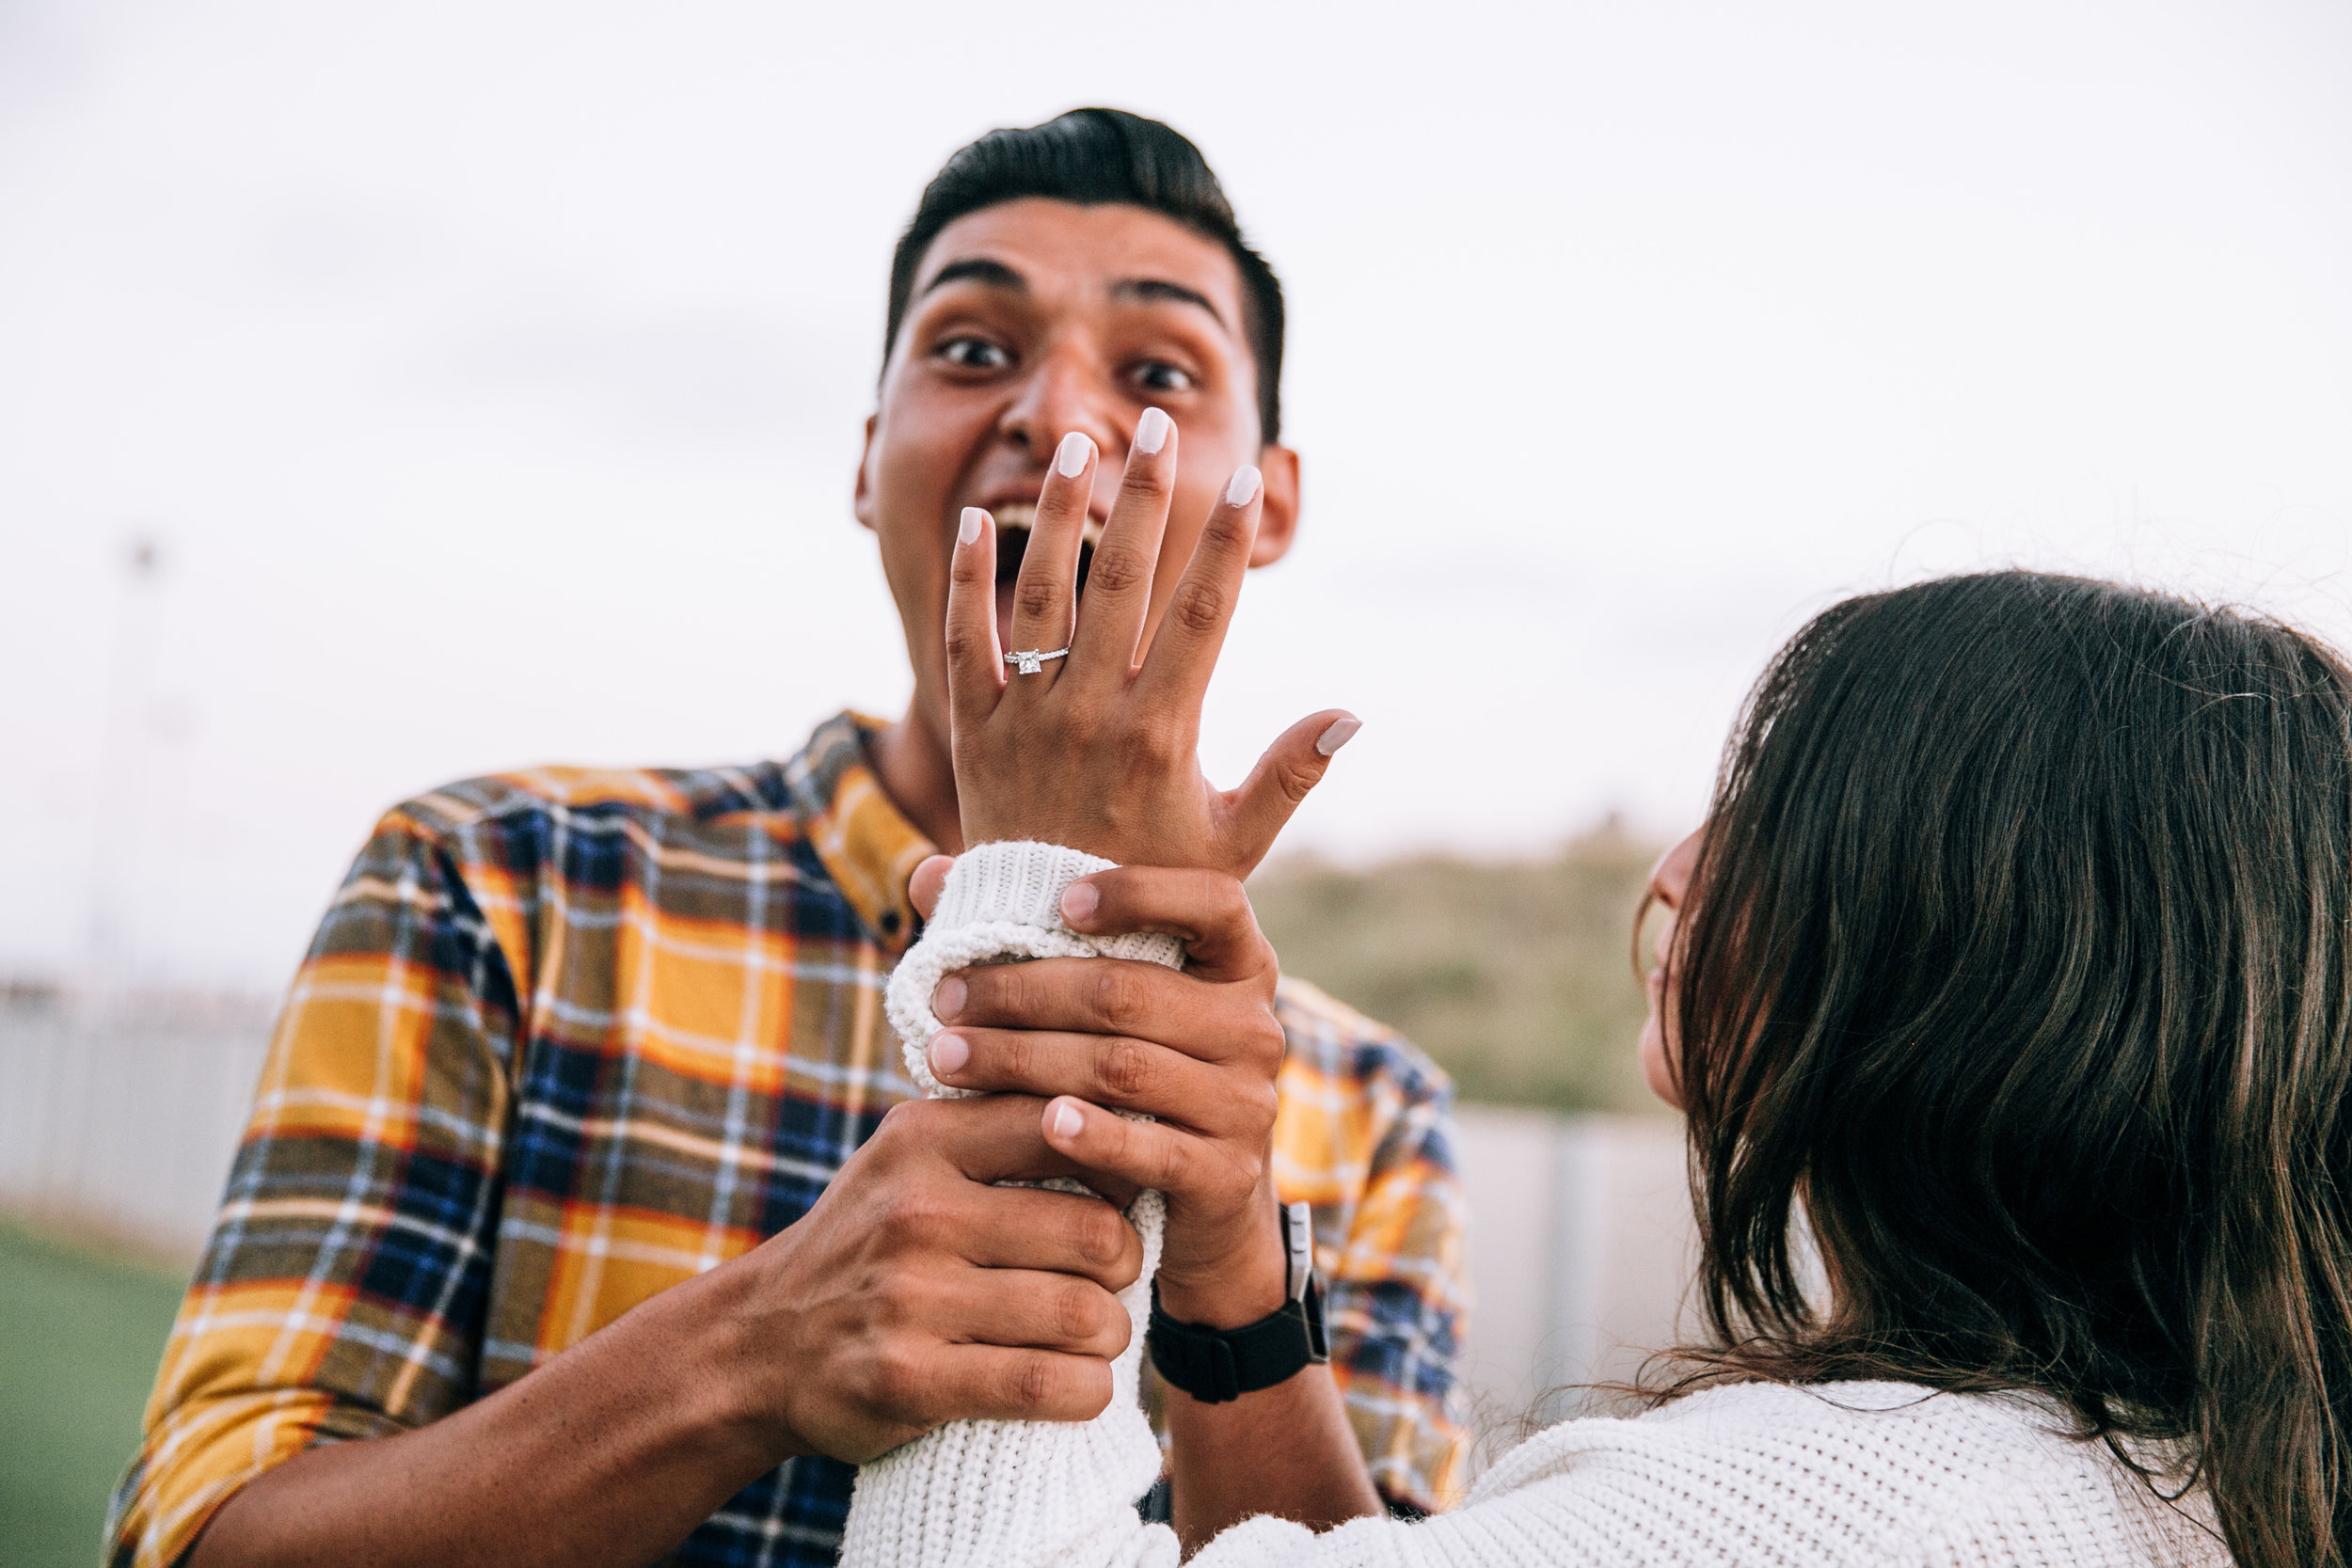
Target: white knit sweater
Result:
[1762, 1476]
[1880, 1473]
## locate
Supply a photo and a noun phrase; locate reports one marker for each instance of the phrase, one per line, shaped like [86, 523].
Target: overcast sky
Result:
[492, 376]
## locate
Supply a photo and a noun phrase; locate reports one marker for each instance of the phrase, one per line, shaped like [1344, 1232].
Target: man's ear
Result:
[1278, 518]
[861, 498]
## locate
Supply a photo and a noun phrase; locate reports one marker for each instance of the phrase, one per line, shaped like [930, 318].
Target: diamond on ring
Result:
[1030, 662]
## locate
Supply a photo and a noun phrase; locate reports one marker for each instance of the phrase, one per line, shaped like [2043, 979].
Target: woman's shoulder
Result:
[1884, 1472]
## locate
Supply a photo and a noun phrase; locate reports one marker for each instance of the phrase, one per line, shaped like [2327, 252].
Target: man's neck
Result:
[914, 770]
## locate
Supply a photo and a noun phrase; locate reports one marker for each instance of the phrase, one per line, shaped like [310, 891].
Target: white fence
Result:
[120, 1120]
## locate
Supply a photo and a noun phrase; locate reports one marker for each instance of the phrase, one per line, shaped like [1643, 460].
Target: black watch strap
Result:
[1217, 1365]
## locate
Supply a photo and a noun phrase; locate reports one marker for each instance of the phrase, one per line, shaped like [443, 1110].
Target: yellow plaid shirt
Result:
[567, 1037]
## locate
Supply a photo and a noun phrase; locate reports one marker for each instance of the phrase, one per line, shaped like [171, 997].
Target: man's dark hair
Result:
[1094, 157]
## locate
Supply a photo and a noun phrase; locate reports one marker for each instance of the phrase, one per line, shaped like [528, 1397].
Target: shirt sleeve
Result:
[1366, 1135]
[342, 1293]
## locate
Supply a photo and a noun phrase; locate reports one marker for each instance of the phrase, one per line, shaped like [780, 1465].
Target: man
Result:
[585, 1076]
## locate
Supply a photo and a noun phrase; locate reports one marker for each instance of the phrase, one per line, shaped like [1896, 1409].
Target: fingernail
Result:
[1075, 449]
[1243, 485]
[948, 1001]
[950, 1052]
[1078, 900]
[968, 530]
[1067, 1121]
[1151, 431]
[1340, 733]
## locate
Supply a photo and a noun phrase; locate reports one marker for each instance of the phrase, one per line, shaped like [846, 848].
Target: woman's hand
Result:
[1094, 749]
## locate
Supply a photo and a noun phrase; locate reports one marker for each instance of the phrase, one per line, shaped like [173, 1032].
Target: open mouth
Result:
[1015, 522]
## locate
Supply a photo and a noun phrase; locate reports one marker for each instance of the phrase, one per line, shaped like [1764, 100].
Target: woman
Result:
[2005, 999]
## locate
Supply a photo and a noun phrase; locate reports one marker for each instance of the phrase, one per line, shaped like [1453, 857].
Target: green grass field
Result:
[80, 1335]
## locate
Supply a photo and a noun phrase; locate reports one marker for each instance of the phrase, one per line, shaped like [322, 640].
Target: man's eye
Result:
[1158, 375]
[974, 353]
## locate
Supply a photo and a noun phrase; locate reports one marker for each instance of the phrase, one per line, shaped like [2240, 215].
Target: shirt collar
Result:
[866, 842]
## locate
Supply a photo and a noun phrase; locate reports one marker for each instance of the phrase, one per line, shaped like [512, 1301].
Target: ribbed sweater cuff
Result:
[1001, 901]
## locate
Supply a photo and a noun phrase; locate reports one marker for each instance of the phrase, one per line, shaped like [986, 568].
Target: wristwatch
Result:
[1215, 1365]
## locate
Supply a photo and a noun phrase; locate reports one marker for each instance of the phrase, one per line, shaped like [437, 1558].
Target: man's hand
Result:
[913, 1293]
[916, 1293]
[1091, 750]
[1197, 1049]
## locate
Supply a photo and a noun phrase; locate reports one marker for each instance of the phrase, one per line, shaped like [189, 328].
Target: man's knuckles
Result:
[1259, 1040]
[1055, 1388]
[1102, 1239]
[1170, 1158]
[911, 1127]
[1126, 1071]
[1121, 997]
[1077, 1315]
[916, 1216]
[1255, 1102]
[901, 1380]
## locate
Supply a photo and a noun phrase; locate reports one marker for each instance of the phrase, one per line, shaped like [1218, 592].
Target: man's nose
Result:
[1065, 392]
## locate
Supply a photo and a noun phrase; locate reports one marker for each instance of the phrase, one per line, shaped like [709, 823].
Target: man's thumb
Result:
[1292, 766]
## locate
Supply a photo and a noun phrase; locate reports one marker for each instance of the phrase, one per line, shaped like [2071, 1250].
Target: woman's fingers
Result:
[976, 670]
[1118, 583]
[1043, 594]
[1192, 631]
[1261, 807]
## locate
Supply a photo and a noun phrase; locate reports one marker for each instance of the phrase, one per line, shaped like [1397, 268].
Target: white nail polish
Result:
[968, 530]
[1151, 431]
[1075, 449]
[1243, 486]
[1340, 733]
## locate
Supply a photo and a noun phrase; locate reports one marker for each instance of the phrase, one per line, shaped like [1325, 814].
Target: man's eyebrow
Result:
[979, 269]
[1161, 288]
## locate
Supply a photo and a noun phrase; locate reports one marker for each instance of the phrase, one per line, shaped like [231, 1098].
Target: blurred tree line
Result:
[1517, 975]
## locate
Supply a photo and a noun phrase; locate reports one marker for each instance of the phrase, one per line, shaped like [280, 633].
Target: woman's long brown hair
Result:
[2015, 964]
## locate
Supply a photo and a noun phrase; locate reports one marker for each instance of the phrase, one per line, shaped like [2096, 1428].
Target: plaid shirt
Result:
[566, 1037]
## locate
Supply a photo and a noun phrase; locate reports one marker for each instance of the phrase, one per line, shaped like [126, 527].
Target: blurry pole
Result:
[120, 798]
[92, 1073]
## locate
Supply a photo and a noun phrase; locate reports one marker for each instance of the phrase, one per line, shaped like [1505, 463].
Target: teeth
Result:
[1022, 516]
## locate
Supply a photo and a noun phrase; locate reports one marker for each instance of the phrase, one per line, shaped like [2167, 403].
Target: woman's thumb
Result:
[925, 886]
[1292, 766]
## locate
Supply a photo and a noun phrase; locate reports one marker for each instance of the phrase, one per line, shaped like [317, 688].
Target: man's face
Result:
[1030, 320]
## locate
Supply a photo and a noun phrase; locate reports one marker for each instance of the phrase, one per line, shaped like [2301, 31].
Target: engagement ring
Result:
[1032, 662]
